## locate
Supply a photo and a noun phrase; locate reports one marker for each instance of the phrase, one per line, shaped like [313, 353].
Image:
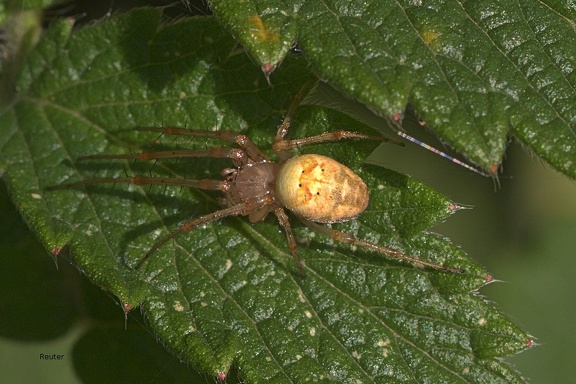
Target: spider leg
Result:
[235, 210]
[285, 223]
[285, 126]
[191, 224]
[238, 156]
[206, 184]
[351, 239]
[284, 145]
[281, 146]
[243, 141]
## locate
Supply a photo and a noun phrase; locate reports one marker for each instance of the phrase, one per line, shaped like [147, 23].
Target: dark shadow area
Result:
[87, 11]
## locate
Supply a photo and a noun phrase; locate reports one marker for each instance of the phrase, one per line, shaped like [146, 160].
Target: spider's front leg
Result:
[250, 149]
[296, 100]
[238, 156]
[282, 145]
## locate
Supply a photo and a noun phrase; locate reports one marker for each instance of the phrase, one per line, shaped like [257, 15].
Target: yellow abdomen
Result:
[321, 189]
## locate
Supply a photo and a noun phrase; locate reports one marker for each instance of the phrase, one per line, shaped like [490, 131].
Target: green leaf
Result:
[262, 25]
[230, 291]
[475, 71]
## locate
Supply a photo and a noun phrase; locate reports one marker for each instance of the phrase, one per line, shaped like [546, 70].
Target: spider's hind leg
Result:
[285, 223]
[390, 252]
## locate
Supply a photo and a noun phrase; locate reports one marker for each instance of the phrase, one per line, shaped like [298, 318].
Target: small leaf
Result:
[263, 26]
[230, 290]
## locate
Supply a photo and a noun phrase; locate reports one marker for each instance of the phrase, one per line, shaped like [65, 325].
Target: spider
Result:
[315, 188]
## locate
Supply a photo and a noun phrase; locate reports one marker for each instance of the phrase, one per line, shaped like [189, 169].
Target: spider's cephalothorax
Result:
[315, 188]
[252, 183]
